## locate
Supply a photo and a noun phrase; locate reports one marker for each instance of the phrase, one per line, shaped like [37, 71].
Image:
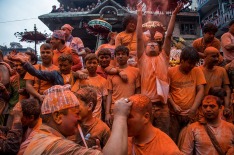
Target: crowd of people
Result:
[123, 99]
[130, 7]
[88, 8]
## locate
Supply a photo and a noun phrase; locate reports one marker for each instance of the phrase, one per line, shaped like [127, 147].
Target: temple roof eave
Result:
[85, 14]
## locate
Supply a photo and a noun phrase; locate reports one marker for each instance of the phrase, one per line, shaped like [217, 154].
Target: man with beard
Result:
[94, 80]
[75, 43]
[210, 135]
[35, 86]
[216, 76]
[153, 62]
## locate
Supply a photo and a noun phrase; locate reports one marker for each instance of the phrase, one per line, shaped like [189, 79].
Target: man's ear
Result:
[57, 117]
[90, 106]
[147, 117]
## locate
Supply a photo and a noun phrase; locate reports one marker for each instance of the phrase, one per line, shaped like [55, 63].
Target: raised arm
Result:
[118, 141]
[140, 40]
[170, 29]
[43, 75]
[117, 41]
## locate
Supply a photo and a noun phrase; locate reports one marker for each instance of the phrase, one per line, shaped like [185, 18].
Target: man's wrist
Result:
[120, 117]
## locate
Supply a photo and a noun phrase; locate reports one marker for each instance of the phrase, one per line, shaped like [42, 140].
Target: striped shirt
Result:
[49, 141]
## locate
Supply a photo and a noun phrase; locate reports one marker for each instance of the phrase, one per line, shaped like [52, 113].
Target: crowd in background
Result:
[78, 9]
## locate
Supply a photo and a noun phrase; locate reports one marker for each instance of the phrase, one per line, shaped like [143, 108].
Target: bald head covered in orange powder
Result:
[141, 103]
[210, 50]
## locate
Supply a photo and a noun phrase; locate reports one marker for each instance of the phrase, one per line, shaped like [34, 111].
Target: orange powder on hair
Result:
[140, 102]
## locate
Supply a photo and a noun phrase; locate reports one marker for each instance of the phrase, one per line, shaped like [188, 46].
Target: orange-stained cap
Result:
[59, 34]
[69, 27]
[57, 98]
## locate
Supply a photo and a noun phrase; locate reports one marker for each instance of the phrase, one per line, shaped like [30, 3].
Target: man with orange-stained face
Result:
[117, 88]
[94, 80]
[197, 139]
[91, 127]
[34, 86]
[144, 138]
[209, 30]
[60, 115]
[104, 58]
[186, 91]
[128, 36]
[21, 73]
[58, 43]
[216, 76]
[59, 111]
[75, 43]
[153, 62]
[61, 77]
[110, 46]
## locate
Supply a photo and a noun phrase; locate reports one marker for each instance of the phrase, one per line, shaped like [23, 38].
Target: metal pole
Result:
[35, 37]
[97, 43]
